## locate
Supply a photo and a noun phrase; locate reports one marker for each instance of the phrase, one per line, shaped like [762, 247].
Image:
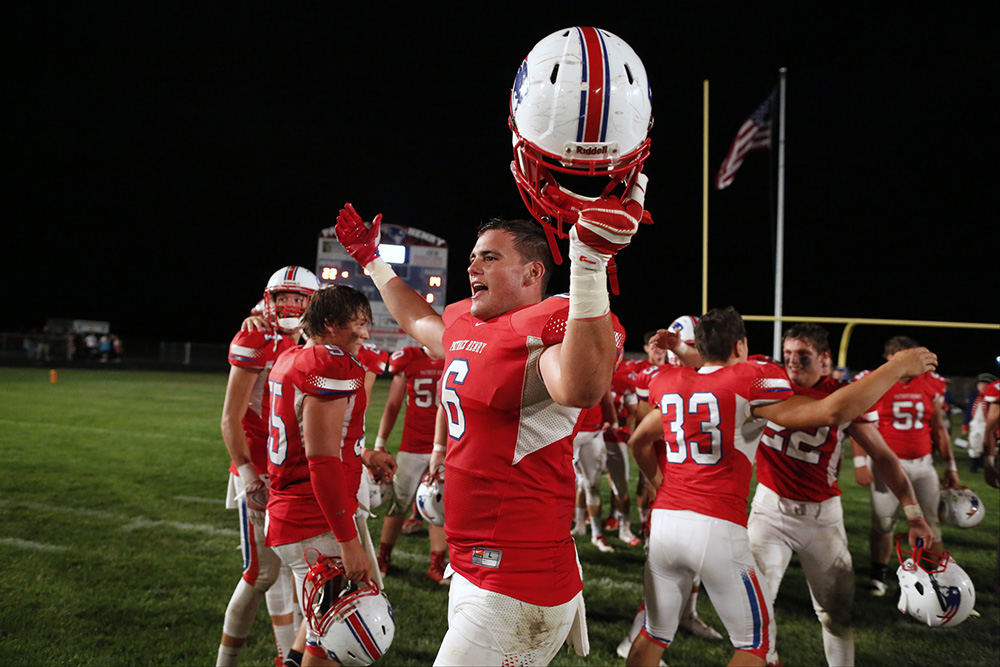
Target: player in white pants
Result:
[796, 507]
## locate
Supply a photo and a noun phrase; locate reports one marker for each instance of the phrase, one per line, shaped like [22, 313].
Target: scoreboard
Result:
[418, 257]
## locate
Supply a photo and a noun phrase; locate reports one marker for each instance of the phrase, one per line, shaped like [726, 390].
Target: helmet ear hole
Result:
[920, 587]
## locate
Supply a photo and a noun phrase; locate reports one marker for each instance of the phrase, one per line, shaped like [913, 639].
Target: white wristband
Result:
[588, 293]
[860, 462]
[380, 272]
[913, 512]
[952, 465]
[438, 448]
[989, 460]
[247, 473]
[380, 443]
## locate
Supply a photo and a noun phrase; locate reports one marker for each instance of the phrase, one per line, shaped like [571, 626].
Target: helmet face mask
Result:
[353, 623]
[579, 109]
[287, 317]
[932, 587]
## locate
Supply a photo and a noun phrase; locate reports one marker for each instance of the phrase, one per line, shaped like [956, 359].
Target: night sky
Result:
[168, 157]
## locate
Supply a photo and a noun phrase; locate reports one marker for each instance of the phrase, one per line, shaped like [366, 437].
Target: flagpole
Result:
[779, 251]
[704, 202]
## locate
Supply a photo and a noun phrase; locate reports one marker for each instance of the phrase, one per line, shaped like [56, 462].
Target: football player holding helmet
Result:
[353, 621]
[683, 326]
[430, 497]
[296, 280]
[580, 106]
[932, 587]
[961, 507]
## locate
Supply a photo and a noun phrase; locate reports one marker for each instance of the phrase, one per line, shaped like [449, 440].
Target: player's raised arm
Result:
[577, 372]
[410, 310]
[848, 402]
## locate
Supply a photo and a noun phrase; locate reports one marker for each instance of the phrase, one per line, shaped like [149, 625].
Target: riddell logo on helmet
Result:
[589, 149]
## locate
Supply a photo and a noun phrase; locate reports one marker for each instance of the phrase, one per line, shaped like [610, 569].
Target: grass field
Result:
[116, 549]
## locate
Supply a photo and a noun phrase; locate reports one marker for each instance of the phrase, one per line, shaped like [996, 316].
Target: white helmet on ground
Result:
[961, 507]
[296, 280]
[932, 587]
[580, 106]
[354, 625]
[430, 497]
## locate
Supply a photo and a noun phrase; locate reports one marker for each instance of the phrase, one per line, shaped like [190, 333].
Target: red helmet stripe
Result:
[364, 636]
[594, 98]
[290, 273]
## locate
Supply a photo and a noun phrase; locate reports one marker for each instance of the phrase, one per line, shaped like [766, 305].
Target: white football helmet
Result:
[293, 279]
[961, 507]
[372, 493]
[580, 106]
[684, 327]
[932, 587]
[430, 497]
[354, 625]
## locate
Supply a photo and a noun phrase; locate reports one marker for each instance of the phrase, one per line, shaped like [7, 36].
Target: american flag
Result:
[754, 134]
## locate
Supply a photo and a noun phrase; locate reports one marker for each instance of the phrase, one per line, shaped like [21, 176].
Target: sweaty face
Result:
[657, 356]
[352, 336]
[291, 299]
[803, 363]
[497, 276]
[289, 307]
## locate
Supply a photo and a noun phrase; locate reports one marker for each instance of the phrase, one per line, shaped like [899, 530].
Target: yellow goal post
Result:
[851, 322]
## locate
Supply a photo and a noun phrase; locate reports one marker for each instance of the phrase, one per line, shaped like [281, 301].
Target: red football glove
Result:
[607, 226]
[358, 239]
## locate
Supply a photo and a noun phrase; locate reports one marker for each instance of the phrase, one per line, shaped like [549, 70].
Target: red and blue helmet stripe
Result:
[595, 95]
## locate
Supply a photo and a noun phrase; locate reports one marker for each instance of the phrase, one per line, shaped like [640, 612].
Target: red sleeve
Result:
[329, 372]
[248, 349]
[770, 385]
[329, 483]
[992, 392]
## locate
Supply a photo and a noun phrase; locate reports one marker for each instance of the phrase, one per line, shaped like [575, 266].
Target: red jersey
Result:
[642, 372]
[324, 371]
[422, 375]
[711, 437]
[803, 464]
[622, 394]
[256, 351]
[509, 485]
[905, 413]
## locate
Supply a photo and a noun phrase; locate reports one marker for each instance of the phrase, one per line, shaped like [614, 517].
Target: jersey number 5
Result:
[277, 439]
[908, 415]
[705, 448]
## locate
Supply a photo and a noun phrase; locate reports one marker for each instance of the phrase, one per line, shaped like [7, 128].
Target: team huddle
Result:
[517, 403]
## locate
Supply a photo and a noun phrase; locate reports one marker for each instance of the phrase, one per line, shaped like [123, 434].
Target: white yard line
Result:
[634, 588]
[203, 501]
[32, 546]
[106, 431]
[131, 523]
